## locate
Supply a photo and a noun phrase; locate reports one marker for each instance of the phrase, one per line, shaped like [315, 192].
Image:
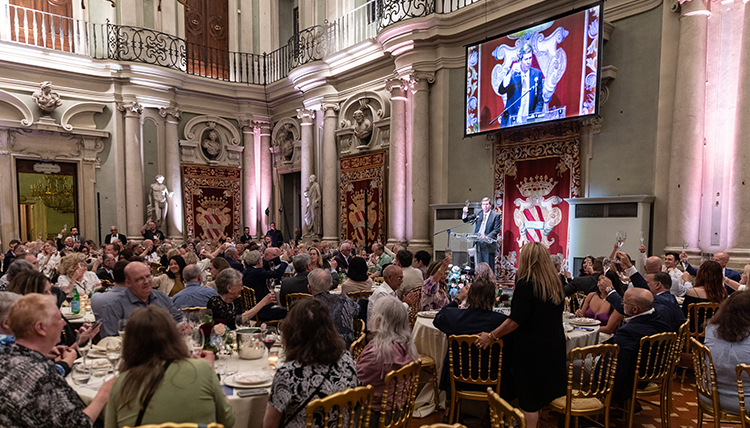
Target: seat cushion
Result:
[578, 404]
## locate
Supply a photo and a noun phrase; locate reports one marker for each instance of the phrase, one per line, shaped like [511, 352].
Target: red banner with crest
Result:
[362, 195]
[212, 196]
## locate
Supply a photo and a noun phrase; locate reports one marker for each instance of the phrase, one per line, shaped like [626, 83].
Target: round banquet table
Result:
[88, 316]
[248, 411]
[432, 342]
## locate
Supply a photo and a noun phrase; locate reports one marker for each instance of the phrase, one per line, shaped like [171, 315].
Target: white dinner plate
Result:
[229, 381]
[74, 316]
[583, 321]
[427, 314]
[255, 377]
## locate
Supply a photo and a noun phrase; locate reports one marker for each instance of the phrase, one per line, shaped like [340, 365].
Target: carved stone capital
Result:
[246, 125]
[132, 108]
[173, 112]
[418, 80]
[90, 147]
[396, 84]
[330, 109]
[305, 115]
[594, 123]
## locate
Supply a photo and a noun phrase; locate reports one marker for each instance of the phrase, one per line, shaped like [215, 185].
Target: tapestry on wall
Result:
[536, 169]
[362, 190]
[213, 201]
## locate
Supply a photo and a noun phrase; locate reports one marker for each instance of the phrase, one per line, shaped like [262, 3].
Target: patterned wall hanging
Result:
[536, 169]
[213, 201]
[363, 193]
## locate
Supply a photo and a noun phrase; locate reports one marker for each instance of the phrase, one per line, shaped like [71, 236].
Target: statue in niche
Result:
[211, 144]
[45, 99]
[285, 141]
[157, 201]
[313, 225]
[362, 127]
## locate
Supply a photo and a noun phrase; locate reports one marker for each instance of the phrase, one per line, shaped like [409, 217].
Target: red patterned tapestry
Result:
[213, 201]
[362, 190]
[536, 169]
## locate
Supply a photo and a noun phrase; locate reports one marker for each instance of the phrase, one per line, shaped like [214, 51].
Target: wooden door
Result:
[45, 23]
[206, 31]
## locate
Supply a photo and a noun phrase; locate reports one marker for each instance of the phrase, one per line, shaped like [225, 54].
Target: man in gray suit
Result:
[486, 223]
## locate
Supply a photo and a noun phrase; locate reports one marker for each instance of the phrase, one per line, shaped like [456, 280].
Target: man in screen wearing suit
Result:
[523, 87]
[486, 223]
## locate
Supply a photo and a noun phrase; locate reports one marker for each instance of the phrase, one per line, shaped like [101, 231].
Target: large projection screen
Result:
[546, 72]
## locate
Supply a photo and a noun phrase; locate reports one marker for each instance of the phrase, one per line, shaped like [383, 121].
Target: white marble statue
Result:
[313, 225]
[157, 201]
[362, 127]
[47, 100]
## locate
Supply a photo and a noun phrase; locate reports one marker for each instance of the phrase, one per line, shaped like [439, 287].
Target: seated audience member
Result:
[728, 338]
[721, 258]
[587, 266]
[342, 308]
[48, 259]
[104, 272]
[32, 391]
[708, 287]
[317, 365]
[379, 259]
[344, 257]
[740, 285]
[6, 300]
[595, 305]
[392, 278]
[233, 258]
[228, 304]
[476, 318]
[318, 262]
[246, 238]
[434, 294]
[171, 283]
[16, 267]
[643, 320]
[74, 273]
[356, 277]
[413, 277]
[609, 285]
[215, 266]
[586, 284]
[558, 260]
[422, 261]
[194, 294]
[390, 349]
[140, 294]
[101, 300]
[297, 283]
[255, 277]
[158, 375]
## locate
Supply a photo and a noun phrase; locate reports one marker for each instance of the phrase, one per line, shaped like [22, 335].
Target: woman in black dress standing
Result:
[537, 360]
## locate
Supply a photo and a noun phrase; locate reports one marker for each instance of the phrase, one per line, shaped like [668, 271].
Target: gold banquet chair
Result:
[698, 315]
[353, 404]
[414, 309]
[503, 414]
[183, 425]
[654, 366]
[292, 298]
[594, 389]
[469, 368]
[399, 395]
[359, 295]
[740, 370]
[705, 385]
[357, 346]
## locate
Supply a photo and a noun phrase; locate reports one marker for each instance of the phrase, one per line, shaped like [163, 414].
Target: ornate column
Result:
[397, 162]
[8, 220]
[249, 184]
[306, 154]
[686, 164]
[266, 175]
[172, 177]
[739, 239]
[329, 170]
[420, 162]
[134, 207]
[90, 148]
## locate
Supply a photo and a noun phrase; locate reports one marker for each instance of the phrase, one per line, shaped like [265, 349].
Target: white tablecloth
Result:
[248, 411]
[432, 342]
[75, 318]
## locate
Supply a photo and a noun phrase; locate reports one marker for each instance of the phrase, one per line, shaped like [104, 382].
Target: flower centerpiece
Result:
[456, 279]
[504, 297]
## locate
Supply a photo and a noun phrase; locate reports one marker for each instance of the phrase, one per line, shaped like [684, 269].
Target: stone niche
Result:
[286, 145]
[375, 108]
[211, 140]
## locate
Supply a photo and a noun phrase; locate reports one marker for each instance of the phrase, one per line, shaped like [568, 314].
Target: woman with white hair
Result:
[390, 349]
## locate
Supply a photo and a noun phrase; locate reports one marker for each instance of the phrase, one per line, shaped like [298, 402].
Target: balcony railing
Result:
[142, 45]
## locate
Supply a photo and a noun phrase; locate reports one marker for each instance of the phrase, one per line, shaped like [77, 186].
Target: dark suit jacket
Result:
[628, 337]
[491, 230]
[514, 91]
[102, 273]
[733, 275]
[664, 303]
[255, 278]
[235, 264]
[295, 284]
[343, 262]
[277, 238]
[122, 238]
[584, 284]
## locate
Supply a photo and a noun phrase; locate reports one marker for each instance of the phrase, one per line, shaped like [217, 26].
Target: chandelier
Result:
[55, 193]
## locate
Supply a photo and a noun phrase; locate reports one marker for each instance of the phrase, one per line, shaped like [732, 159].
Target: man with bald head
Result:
[393, 277]
[721, 258]
[140, 294]
[194, 294]
[642, 320]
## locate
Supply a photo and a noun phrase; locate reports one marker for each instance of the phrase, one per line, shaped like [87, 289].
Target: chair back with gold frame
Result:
[740, 370]
[359, 295]
[474, 366]
[503, 414]
[352, 406]
[359, 327]
[357, 346]
[654, 367]
[414, 309]
[698, 315]
[706, 388]
[248, 297]
[182, 425]
[292, 298]
[593, 392]
[157, 268]
[194, 309]
[399, 395]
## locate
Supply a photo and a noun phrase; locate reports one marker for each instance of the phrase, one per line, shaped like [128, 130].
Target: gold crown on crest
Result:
[537, 186]
[358, 198]
[212, 202]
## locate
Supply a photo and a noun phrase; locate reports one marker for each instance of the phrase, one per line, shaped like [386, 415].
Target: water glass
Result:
[80, 374]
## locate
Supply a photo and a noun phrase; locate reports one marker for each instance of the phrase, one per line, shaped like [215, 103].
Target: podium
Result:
[471, 238]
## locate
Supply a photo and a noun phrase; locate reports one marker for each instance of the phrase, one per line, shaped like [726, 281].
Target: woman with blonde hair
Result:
[538, 354]
[74, 273]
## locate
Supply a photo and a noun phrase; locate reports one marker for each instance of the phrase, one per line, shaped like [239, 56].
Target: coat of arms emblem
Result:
[536, 216]
[213, 216]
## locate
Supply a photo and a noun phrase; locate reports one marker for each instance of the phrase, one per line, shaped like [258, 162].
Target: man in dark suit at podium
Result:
[486, 223]
[114, 234]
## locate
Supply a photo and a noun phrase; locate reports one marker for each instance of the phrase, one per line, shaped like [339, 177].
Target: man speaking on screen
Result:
[523, 86]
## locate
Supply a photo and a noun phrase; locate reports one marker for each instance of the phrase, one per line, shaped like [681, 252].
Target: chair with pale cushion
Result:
[470, 365]
[654, 367]
[706, 391]
[399, 396]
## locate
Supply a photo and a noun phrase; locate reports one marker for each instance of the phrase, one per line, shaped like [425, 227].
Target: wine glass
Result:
[195, 342]
[642, 237]
[121, 325]
[84, 349]
[621, 236]
[113, 354]
[269, 340]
